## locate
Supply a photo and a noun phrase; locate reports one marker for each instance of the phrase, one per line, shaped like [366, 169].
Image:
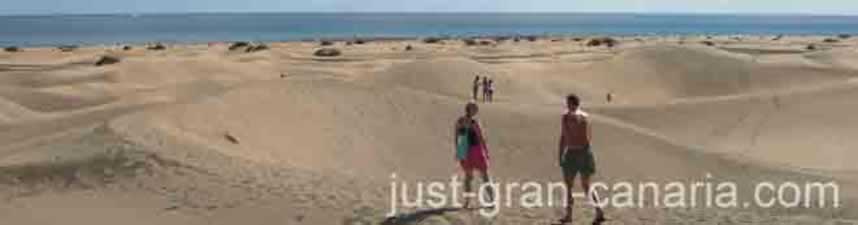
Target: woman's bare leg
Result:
[469, 176]
[487, 180]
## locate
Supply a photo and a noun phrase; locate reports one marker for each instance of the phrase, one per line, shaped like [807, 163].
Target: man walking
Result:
[575, 156]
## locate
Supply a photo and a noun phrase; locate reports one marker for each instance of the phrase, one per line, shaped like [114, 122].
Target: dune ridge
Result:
[203, 135]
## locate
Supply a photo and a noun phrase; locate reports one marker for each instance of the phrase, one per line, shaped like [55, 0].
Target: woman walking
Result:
[471, 150]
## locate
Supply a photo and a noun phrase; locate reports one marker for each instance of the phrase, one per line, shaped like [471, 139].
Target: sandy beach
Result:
[205, 134]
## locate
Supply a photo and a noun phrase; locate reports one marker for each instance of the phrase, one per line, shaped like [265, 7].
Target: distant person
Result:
[471, 150]
[485, 88]
[475, 88]
[575, 156]
[491, 90]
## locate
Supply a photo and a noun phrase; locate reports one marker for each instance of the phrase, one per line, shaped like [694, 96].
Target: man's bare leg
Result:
[600, 215]
[570, 201]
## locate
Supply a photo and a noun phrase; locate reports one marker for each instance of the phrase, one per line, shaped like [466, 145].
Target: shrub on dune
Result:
[810, 47]
[157, 47]
[237, 45]
[67, 48]
[470, 42]
[126, 48]
[11, 49]
[359, 41]
[409, 48]
[844, 36]
[708, 43]
[327, 43]
[328, 52]
[778, 38]
[107, 60]
[606, 41]
[830, 40]
[532, 38]
[256, 48]
[432, 40]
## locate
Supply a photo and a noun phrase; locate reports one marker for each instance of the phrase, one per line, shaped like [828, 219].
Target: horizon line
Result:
[444, 12]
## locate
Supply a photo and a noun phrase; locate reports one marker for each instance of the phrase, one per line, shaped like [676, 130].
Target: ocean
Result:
[51, 30]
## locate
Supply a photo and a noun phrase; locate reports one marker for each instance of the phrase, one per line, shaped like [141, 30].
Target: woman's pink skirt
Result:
[476, 160]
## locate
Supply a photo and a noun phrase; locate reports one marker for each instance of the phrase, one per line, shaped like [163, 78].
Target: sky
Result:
[841, 7]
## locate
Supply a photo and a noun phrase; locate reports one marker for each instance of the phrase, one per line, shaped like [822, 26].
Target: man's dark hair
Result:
[573, 99]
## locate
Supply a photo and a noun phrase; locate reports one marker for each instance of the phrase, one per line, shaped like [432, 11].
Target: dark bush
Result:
[811, 47]
[432, 40]
[157, 47]
[844, 36]
[67, 48]
[830, 40]
[327, 43]
[256, 48]
[360, 41]
[708, 43]
[126, 48]
[328, 52]
[532, 38]
[470, 42]
[11, 49]
[237, 45]
[577, 39]
[606, 41]
[107, 60]
[409, 48]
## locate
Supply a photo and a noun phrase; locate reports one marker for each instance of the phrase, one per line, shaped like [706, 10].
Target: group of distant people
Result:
[488, 88]
[574, 156]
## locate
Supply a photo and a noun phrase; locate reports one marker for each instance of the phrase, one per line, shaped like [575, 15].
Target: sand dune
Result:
[660, 74]
[50, 102]
[798, 130]
[11, 111]
[838, 57]
[203, 135]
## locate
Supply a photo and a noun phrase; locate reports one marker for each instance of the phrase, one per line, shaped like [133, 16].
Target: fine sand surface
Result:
[199, 134]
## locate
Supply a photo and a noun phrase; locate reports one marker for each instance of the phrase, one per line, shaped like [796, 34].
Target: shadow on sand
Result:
[420, 215]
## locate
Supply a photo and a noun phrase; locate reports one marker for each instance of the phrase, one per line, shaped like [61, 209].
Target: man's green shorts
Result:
[578, 160]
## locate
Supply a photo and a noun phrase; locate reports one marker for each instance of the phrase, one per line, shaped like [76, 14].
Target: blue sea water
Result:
[42, 30]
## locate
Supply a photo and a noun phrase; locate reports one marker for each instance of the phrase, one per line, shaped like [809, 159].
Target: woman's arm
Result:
[483, 143]
[456, 138]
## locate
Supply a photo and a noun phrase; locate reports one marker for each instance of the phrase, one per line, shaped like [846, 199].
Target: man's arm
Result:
[562, 142]
[585, 121]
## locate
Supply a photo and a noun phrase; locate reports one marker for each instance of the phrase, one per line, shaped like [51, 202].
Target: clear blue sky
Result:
[643, 6]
